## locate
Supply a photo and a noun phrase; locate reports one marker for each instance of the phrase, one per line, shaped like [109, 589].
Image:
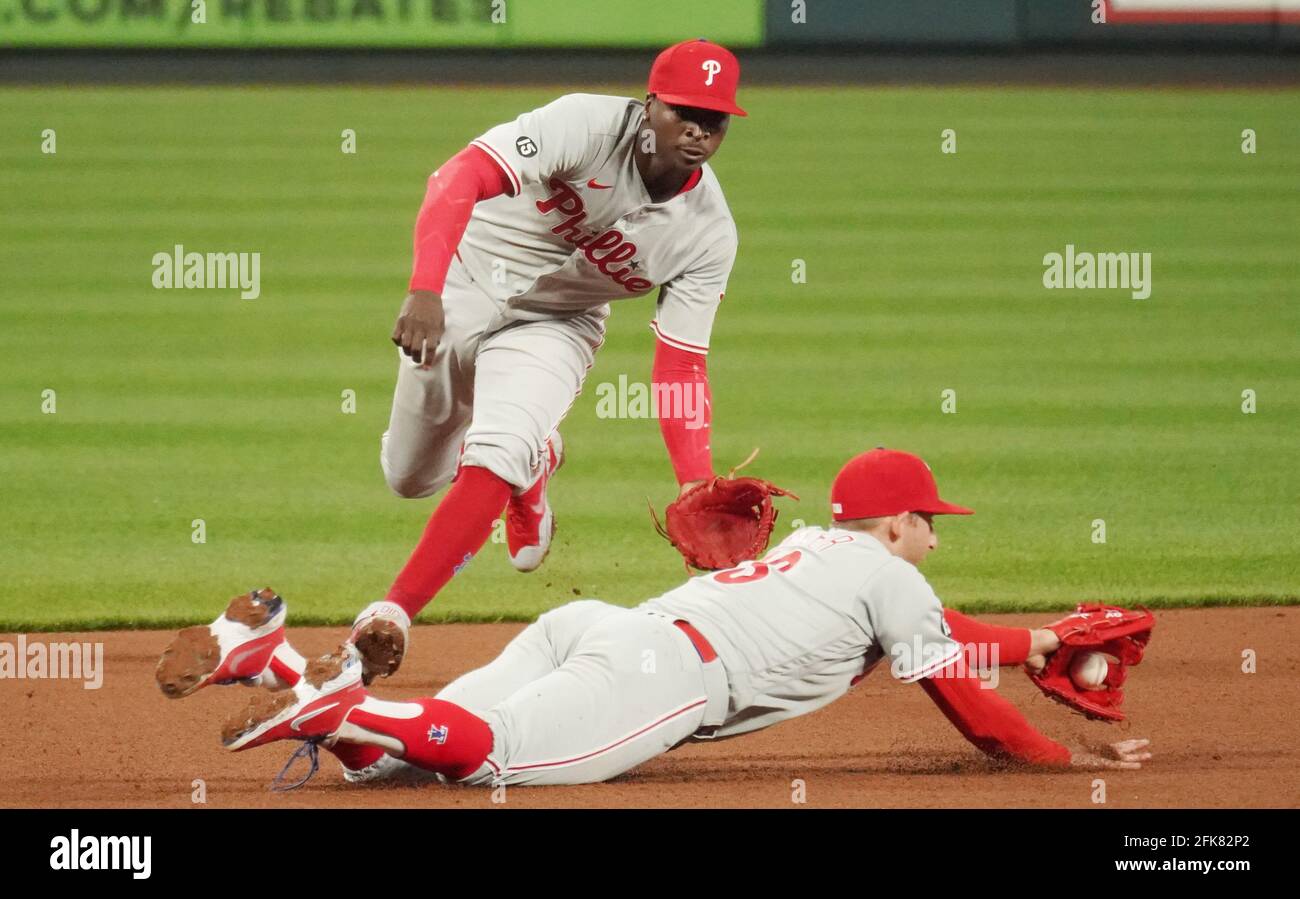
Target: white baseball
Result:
[1088, 670]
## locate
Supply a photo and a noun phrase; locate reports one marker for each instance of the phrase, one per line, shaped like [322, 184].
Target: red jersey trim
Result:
[500, 160]
[632, 736]
[678, 344]
[934, 667]
[691, 181]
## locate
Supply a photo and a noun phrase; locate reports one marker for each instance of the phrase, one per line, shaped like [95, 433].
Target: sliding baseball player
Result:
[591, 690]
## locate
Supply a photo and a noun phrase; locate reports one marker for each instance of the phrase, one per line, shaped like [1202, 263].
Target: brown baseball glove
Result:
[1121, 634]
[722, 522]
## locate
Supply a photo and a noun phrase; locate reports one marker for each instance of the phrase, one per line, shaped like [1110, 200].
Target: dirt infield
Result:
[1221, 737]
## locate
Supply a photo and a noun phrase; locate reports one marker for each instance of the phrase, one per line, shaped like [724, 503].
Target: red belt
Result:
[702, 646]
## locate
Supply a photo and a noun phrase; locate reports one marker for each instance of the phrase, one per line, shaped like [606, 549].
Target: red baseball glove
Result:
[722, 522]
[1118, 633]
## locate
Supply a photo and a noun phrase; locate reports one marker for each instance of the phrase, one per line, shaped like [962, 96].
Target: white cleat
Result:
[381, 634]
[236, 648]
[530, 521]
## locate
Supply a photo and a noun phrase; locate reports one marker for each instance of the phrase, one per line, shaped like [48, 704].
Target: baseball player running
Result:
[591, 690]
[523, 240]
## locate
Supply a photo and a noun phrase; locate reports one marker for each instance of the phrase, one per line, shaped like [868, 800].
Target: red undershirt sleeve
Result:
[1012, 642]
[687, 421]
[465, 179]
[992, 723]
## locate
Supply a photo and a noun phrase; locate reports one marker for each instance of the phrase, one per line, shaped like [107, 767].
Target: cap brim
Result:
[942, 508]
[702, 101]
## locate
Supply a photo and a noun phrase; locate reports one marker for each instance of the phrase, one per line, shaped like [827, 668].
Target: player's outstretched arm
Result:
[997, 728]
[990, 722]
[467, 178]
[1015, 644]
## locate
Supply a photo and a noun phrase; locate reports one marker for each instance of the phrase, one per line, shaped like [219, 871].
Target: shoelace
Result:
[309, 749]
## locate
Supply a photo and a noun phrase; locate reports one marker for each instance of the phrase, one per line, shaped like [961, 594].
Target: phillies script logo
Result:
[607, 251]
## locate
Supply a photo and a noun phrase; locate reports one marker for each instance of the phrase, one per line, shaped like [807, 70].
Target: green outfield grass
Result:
[923, 274]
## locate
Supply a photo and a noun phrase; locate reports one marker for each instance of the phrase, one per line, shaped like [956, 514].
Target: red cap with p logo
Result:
[697, 73]
[886, 482]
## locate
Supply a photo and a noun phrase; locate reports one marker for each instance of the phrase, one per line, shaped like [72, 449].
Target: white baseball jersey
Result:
[580, 230]
[591, 690]
[797, 629]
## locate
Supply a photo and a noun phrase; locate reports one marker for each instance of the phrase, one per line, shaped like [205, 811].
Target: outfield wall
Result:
[776, 24]
[1036, 23]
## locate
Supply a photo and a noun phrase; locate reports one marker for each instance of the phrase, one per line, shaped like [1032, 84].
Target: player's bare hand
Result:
[1042, 643]
[1126, 755]
[420, 326]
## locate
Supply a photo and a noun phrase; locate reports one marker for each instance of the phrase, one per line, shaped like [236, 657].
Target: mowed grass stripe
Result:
[924, 273]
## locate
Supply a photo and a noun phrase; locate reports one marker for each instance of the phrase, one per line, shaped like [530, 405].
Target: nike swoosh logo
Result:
[296, 724]
[237, 660]
[592, 184]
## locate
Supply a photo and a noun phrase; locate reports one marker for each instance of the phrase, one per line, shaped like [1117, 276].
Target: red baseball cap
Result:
[697, 73]
[887, 482]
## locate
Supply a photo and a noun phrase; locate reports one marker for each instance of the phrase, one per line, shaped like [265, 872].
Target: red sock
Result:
[457, 529]
[443, 737]
[356, 756]
[1013, 642]
[285, 668]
